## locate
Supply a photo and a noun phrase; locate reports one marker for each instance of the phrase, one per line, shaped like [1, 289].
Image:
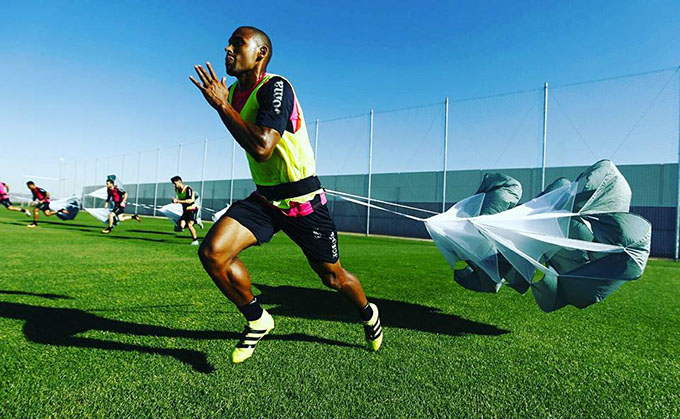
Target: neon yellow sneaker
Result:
[252, 334]
[373, 330]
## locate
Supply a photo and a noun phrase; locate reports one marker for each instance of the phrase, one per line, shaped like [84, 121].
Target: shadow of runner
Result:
[59, 327]
[162, 233]
[35, 294]
[314, 303]
[66, 224]
[112, 236]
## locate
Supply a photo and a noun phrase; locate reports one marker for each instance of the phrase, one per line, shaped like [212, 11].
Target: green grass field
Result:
[129, 325]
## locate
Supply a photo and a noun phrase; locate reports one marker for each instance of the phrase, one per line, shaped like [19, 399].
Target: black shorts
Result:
[44, 206]
[6, 202]
[189, 216]
[314, 233]
[118, 210]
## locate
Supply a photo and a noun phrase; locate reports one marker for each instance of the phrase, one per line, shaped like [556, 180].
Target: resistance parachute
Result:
[574, 244]
[71, 205]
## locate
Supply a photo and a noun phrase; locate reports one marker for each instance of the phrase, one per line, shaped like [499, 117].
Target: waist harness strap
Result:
[290, 190]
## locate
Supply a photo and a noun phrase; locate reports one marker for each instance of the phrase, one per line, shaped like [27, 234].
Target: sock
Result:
[366, 313]
[252, 311]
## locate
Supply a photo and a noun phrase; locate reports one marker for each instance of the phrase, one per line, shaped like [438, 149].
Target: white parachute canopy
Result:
[172, 211]
[101, 214]
[577, 235]
[216, 216]
[71, 205]
[99, 193]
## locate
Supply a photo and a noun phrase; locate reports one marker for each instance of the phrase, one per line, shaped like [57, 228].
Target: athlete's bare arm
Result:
[258, 141]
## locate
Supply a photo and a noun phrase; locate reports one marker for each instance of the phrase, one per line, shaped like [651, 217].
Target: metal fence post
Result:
[155, 188]
[677, 195]
[179, 161]
[75, 177]
[545, 133]
[316, 139]
[205, 157]
[370, 173]
[139, 165]
[231, 182]
[60, 179]
[96, 163]
[446, 151]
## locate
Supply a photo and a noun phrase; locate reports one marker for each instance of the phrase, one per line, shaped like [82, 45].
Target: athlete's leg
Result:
[36, 211]
[182, 224]
[192, 230]
[13, 208]
[112, 217]
[125, 217]
[219, 255]
[49, 212]
[334, 276]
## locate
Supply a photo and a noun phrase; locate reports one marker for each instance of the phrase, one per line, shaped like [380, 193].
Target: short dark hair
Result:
[264, 39]
[29, 183]
[175, 179]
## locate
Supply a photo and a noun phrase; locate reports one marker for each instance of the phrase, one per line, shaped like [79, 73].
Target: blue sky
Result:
[98, 79]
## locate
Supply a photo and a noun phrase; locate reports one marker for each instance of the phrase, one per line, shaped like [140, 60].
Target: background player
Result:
[41, 202]
[187, 197]
[4, 200]
[118, 196]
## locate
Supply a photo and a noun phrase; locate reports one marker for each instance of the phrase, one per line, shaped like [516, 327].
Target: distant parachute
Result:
[72, 206]
[216, 216]
[579, 236]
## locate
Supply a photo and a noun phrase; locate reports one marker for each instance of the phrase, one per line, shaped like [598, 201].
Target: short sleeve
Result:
[276, 101]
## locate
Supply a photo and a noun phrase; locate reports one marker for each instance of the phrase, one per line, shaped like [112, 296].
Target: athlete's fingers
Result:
[212, 72]
[201, 74]
[205, 76]
[224, 81]
[197, 84]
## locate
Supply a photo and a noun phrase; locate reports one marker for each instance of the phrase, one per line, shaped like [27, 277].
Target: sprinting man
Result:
[118, 196]
[263, 114]
[187, 197]
[41, 202]
[4, 200]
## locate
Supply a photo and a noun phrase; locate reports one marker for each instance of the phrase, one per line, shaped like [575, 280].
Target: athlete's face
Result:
[243, 52]
[31, 186]
[109, 185]
[178, 184]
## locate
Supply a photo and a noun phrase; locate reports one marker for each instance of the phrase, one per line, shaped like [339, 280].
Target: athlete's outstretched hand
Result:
[214, 90]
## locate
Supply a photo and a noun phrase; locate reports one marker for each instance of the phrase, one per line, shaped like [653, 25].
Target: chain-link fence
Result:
[400, 156]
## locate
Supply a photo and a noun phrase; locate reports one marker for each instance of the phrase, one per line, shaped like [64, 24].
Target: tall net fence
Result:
[429, 157]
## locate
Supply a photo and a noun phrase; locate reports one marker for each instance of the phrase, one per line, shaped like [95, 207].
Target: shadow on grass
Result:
[64, 224]
[112, 236]
[164, 233]
[34, 294]
[59, 327]
[314, 303]
[67, 224]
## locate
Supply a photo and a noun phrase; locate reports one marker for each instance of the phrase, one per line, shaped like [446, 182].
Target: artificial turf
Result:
[129, 325]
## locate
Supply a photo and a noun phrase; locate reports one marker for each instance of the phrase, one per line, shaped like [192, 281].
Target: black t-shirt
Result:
[276, 101]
